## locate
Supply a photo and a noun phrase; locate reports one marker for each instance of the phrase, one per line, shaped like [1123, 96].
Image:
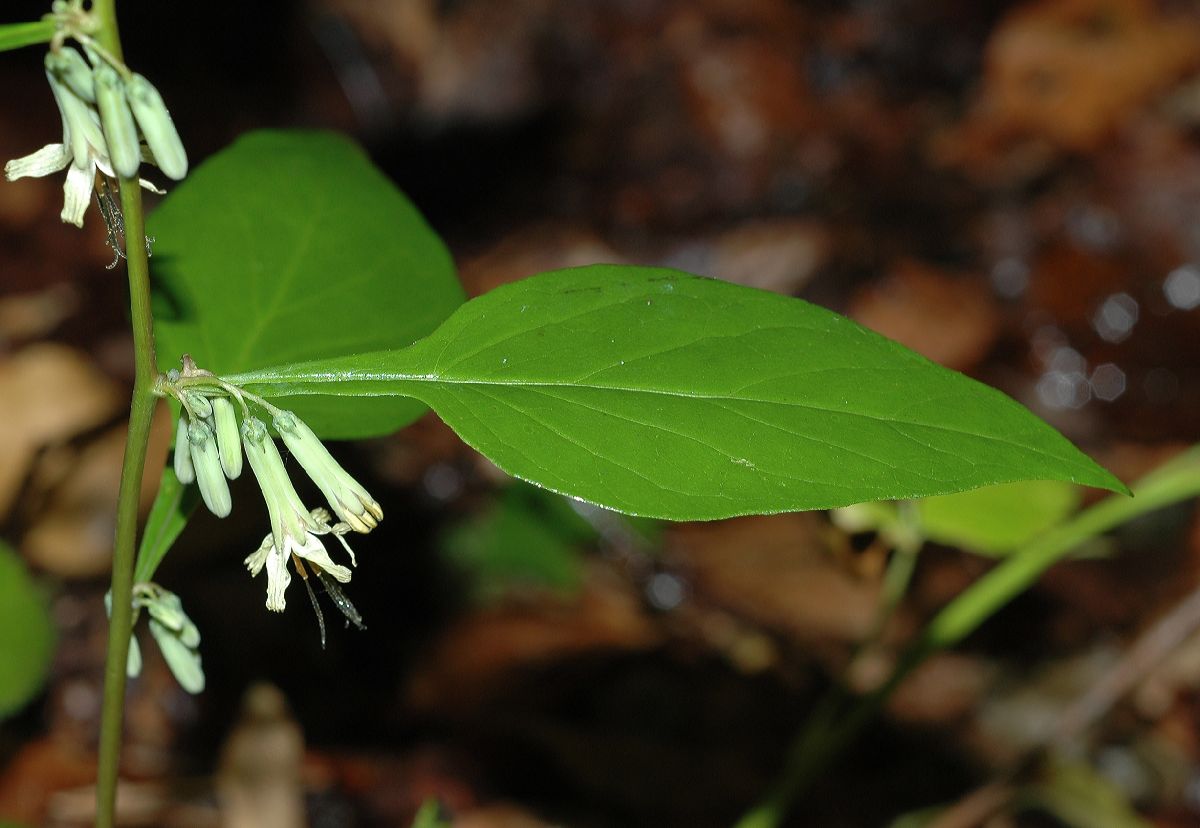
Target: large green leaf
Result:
[655, 392]
[26, 634]
[290, 246]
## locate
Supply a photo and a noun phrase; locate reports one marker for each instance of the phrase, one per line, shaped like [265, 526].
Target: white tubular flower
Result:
[82, 152]
[349, 500]
[229, 443]
[157, 127]
[120, 132]
[210, 477]
[184, 469]
[294, 530]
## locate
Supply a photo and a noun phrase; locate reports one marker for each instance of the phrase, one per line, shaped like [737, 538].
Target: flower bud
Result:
[166, 608]
[120, 132]
[133, 662]
[157, 127]
[81, 125]
[183, 660]
[348, 499]
[184, 470]
[199, 404]
[73, 72]
[209, 475]
[229, 441]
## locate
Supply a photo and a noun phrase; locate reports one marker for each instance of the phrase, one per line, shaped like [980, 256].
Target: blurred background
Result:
[1012, 189]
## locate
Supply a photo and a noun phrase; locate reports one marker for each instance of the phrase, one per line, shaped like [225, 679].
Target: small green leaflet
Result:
[996, 520]
[173, 505]
[659, 393]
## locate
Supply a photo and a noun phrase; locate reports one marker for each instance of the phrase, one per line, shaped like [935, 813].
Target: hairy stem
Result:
[140, 415]
[821, 741]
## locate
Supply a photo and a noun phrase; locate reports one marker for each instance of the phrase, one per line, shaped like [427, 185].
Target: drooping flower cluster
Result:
[209, 445]
[177, 637]
[107, 112]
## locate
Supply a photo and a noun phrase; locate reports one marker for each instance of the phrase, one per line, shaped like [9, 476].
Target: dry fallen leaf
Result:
[476, 655]
[1067, 74]
[777, 572]
[72, 536]
[48, 394]
[950, 320]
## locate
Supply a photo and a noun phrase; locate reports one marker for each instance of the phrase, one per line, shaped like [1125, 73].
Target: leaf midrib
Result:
[435, 380]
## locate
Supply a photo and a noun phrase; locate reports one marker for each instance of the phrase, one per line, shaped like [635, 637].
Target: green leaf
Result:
[1079, 797]
[430, 816]
[658, 393]
[173, 505]
[528, 537]
[26, 634]
[290, 246]
[16, 35]
[997, 519]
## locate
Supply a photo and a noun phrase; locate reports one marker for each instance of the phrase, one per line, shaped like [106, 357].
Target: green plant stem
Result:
[820, 741]
[140, 416]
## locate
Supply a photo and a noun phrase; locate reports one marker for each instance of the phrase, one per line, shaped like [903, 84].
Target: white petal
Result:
[313, 550]
[346, 546]
[151, 186]
[77, 193]
[258, 558]
[49, 159]
[278, 579]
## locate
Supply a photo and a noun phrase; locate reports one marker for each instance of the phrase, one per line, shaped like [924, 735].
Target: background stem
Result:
[820, 741]
[140, 416]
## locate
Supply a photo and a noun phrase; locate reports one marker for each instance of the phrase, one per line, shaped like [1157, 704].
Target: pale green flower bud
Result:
[73, 72]
[183, 660]
[348, 499]
[81, 125]
[229, 441]
[133, 663]
[209, 476]
[157, 127]
[199, 404]
[120, 132]
[166, 608]
[184, 469]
